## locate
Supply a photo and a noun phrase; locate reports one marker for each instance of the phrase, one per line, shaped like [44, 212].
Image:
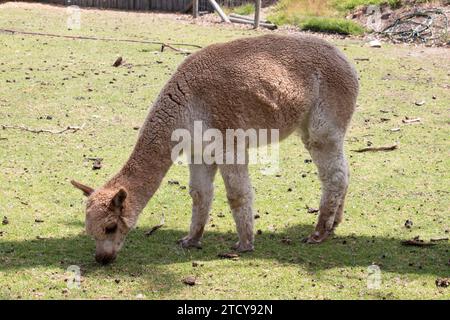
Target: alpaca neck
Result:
[151, 158]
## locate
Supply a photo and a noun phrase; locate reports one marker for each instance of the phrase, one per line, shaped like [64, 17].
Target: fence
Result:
[145, 5]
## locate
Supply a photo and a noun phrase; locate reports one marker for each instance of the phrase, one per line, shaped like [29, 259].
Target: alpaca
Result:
[290, 83]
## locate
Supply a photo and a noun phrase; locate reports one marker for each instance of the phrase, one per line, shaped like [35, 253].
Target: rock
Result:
[443, 282]
[118, 62]
[5, 221]
[375, 44]
[190, 281]
[97, 165]
[312, 210]
[408, 224]
[419, 103]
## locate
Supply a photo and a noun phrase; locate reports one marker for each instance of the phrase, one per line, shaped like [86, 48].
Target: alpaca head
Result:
[107, 212]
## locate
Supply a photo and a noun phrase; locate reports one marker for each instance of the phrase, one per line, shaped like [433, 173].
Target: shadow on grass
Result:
[161, 249]
[147, 258]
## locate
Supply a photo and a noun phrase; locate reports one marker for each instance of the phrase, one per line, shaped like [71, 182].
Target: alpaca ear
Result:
[87, 191]
[119, 198]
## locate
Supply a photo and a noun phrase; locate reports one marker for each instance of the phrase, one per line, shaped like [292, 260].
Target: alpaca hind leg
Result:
[240, 199]
[333, 173]
[201, 189]
[324, 140]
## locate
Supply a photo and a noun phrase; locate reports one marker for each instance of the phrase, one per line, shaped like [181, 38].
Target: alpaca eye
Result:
[111, 229]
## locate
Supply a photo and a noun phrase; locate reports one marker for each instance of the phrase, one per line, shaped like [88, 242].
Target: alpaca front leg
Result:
[240, 199]
[201, 189]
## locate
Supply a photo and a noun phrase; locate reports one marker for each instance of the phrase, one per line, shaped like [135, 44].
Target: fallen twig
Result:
[165, 45]
[439, 239]
[95, 38]
[362, 59]
[409, 121]
[154, 228]
[23, 128]
[228, 255]
[375, 149]
[417, 242]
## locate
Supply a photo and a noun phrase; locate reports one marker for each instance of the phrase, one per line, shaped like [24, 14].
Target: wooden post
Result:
[257, 13]
[195, 9]
[219, 11]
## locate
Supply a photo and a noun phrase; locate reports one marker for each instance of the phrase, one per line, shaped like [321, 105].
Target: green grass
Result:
[74, 82]
[348, 5]
[245, 9]
[324, 15]
[316, 15]
[331, 25]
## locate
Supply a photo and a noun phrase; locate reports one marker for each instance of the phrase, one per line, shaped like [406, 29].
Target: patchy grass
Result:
[315, 15]
[331, 25]
[73, 82]
[325, 15]
[348, 5]
[245, 9]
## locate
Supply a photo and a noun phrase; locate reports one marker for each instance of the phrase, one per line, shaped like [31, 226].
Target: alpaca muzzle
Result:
[105, 252]
[105, 259]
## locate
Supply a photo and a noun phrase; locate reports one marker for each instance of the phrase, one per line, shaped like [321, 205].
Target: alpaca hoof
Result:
[243, 248]
[317, 237]
[188, 242]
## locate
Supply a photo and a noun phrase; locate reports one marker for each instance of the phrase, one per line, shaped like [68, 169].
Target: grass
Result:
[320, 24]
[348, 5]
[325, 15]
[315, 15]
[245, 9]
[331, 25]
[74, 83]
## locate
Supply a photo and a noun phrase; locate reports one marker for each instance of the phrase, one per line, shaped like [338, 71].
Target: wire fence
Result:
[423, 26]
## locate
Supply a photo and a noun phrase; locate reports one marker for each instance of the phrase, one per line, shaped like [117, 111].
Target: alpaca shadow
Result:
[285, 246]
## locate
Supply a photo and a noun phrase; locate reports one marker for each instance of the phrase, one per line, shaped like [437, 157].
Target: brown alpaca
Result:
[290, 83]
